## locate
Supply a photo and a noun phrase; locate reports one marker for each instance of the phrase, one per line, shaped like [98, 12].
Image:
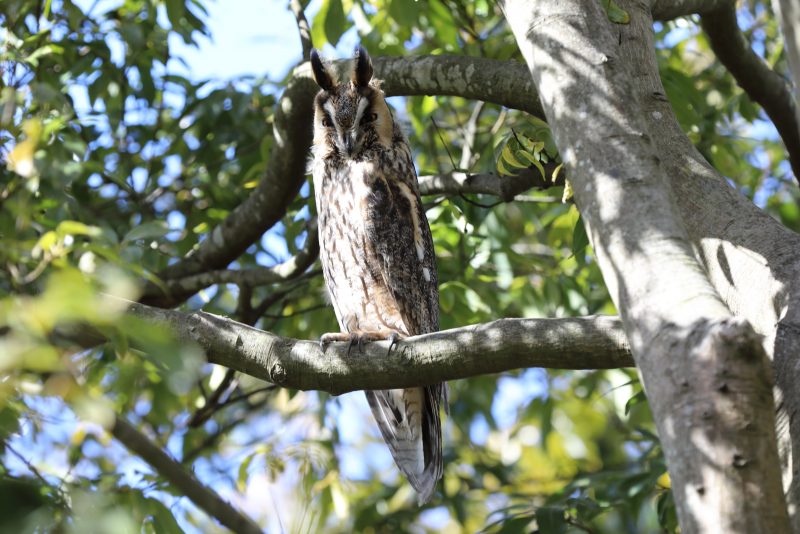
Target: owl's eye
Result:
[326, 123]
[369, 118]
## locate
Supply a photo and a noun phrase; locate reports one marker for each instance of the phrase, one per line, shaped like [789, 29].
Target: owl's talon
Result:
[394, 339]
[355, 339]
[332, 337]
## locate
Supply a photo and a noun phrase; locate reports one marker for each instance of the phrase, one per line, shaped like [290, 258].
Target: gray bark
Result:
[507, 344]
[704, 371]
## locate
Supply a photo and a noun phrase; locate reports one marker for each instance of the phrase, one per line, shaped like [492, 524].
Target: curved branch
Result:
[252, 277]
[672, 9]
[502, 82]
[594, 342]
[788, 12]
[505, 187]
[182, 479]
[755, 77]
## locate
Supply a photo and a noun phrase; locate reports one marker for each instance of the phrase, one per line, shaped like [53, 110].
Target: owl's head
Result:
[349, 117]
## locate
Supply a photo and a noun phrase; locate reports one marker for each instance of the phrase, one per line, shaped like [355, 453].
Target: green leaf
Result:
[77, 228]
[556, 172]
[508, 157]
[243, 474]
[175, 11]
[615, 13]
[335, 21]
[46, 50]
[633, 401]
[150, 230]
[579, 240]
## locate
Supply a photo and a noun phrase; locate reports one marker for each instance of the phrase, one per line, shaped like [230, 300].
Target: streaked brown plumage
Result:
[376, 252]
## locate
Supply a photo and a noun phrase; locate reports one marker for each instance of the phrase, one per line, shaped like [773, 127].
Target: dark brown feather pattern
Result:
[377, 252]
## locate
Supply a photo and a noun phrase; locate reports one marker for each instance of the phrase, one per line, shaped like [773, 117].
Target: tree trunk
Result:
[705, 372]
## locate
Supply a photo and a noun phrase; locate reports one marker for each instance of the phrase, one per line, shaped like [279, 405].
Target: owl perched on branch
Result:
[376, 252]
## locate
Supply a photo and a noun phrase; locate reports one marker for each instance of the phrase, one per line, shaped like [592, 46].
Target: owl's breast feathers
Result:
[374, 234]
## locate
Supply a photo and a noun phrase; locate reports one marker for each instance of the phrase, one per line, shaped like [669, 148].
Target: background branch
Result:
[755, 77]
[302, 27]
[672, 9]
[788, 12]
[250, 277]
[505, 187]
[182, 479]
[502, 82]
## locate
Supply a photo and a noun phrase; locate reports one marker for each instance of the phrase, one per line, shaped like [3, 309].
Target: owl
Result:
[376, 252]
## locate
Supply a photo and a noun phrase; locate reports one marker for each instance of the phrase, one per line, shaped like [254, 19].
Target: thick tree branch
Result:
[182, 479]
[750, 258]
[501, 82]
[704, 372]
[503, 345]
[672, 9]
[755, 77]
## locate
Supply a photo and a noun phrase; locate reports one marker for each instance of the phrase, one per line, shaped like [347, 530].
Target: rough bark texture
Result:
[704, 371]
[750, 258]
[575, 343]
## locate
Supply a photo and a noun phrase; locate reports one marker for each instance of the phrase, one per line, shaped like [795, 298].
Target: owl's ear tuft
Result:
[363, 70]
[321, 74]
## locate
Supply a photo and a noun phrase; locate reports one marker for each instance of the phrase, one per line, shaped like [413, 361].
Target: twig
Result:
[303, 28]
[182, 479]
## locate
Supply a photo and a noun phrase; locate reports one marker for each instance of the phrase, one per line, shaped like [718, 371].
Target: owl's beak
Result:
[349, 141]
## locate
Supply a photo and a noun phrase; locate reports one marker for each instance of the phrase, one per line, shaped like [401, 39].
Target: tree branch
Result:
[503, 345]
[302, 27]
[505, 187]
[788, 12]
[755, 77]
[252, 277]
[182, 479]
[502, 82]
[672, 9]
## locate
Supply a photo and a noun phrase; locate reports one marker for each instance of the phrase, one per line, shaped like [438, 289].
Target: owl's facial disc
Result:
[351, 117]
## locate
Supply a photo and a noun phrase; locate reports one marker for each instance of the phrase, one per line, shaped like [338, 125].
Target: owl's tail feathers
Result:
[410, 424]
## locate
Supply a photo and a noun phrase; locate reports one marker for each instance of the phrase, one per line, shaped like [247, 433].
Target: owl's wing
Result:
[401, 241]
[400, 238]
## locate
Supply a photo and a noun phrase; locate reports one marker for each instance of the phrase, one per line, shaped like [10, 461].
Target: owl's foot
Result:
[360, 336]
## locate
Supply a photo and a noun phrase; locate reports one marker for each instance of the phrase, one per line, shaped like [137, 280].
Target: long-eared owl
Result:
[376, 251]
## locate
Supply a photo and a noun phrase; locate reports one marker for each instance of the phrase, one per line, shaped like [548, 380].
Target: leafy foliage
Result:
[115, 165]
